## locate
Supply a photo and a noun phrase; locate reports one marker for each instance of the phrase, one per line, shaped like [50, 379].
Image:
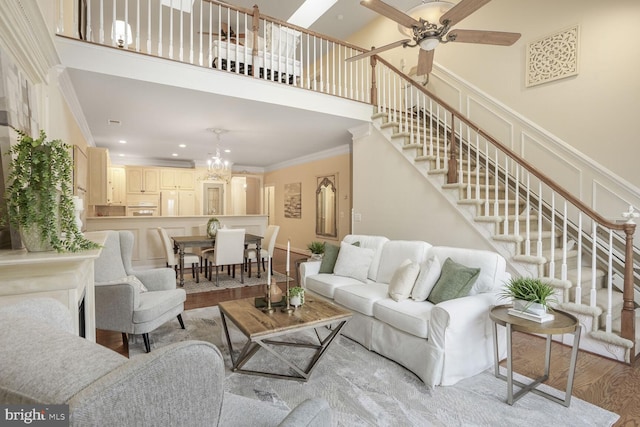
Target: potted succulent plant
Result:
[40, 197]
[530, 295]
[317, 249]
[296, 296]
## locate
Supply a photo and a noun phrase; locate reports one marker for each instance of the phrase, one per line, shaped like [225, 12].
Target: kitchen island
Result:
[148, 250]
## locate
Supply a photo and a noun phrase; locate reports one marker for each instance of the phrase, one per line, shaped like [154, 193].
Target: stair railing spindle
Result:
[516, 201]
[552, 262]
[609, 316]
[578, 284]
[149, 27]
[487, 192]
[539, 239]
[89, 33]
[594, 240]
[137, 25]
[527, 237]
[462, 178]
[477, 168]
[563, 268]
[506, 195]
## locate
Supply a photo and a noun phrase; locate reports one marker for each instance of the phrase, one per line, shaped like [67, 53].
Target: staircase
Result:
[533, 234]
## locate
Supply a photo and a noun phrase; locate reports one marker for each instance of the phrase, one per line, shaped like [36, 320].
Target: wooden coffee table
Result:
[261, 330]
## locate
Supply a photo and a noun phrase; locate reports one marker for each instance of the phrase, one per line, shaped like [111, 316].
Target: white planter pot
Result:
[529, 307]
[295, 301]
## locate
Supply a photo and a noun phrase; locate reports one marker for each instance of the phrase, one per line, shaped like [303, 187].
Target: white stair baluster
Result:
[552, 256]
[594, 238]
[609, 283]
[539, 240]
[578, 284]
[527, 239]
[563, 268]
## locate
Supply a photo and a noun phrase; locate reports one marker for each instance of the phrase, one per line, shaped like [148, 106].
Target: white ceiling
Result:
[156, 118]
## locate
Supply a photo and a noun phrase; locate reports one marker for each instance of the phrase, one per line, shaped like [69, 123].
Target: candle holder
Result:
[268, 309]
[287, 309]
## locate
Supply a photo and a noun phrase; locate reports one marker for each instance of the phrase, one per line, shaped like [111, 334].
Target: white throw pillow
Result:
[429, 273]
[353, 261]
[403, 280]
[132, 280]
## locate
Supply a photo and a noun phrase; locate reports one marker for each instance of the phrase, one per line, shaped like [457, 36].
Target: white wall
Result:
[395, 200]
[594, 112]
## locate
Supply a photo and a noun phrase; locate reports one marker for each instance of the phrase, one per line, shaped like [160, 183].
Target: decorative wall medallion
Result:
[553, 57]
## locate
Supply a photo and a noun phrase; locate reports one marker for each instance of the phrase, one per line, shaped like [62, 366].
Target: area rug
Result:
[366, 389]
[227, 282]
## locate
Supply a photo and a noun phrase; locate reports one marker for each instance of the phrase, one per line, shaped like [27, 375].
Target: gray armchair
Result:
[122, 304]
[43, 362]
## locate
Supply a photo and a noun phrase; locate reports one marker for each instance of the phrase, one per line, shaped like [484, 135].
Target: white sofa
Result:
[442, 343]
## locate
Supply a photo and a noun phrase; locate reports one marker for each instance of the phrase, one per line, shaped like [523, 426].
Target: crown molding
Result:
[69, 94]
[25, 35]
[320, 155]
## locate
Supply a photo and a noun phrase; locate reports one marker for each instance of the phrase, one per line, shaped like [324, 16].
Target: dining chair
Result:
[201, 251]
[173, 259]
[228, 250]
[266, 252]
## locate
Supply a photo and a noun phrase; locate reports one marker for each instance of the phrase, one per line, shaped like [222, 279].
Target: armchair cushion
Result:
[154, 304]
[455, 281]
[132, 280]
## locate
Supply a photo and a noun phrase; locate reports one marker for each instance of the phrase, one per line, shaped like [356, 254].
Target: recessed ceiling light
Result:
[120, 155]
[122, 141]
[174, 154]
[182, 145]
[227, 151]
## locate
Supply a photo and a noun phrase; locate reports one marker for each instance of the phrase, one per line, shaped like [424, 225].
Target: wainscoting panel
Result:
[494, 123]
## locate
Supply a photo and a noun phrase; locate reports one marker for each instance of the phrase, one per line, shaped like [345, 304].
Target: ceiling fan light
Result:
[430, 11]
[429, 43]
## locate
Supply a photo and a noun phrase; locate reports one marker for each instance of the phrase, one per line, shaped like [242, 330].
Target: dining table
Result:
[180, 243]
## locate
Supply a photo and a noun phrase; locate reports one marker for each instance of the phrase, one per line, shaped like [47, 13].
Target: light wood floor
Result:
[600, 381]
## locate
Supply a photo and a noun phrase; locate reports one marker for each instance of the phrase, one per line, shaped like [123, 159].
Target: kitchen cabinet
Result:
[177, 179]
[99, 164]
[118, 186]
[140, 180]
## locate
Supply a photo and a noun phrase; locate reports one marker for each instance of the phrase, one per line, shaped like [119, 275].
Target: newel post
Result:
[628, 309]
[374, 86]
[452, 166]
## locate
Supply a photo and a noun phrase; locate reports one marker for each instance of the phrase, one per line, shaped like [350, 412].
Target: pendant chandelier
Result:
[218, 168]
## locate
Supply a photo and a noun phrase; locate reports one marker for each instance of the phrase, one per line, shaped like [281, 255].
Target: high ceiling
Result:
[156, 118]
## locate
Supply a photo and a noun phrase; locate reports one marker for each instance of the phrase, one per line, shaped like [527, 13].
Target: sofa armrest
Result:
[180, 384]
[460, 338]
[308, 268]
[157, 279]
[312, 412]
[47, 310]
[115, 304]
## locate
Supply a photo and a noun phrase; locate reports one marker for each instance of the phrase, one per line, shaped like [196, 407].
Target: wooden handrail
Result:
[514, 156]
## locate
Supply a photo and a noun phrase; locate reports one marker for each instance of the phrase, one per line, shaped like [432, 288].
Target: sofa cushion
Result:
[370, 242]
[326, 284]
[491, 264]
[361, 297]
[403, 280]
[429, 273]
[409, 316]
[394, 252]
[353, 261]
[455, 281]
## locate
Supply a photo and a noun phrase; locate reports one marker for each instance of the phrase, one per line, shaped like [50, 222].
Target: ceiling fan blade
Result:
[425, 62]
[484, 37]
[390, 12]
[460, 11]
[377, 50]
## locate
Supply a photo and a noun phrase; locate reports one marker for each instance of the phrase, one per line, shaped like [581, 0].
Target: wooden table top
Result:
[562, 323]
[254, 323]
[209, 241]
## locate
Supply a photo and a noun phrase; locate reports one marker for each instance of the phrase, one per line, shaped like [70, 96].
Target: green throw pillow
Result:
[455, 281]
[330, 256]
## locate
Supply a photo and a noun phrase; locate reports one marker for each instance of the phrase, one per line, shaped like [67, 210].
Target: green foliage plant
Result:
[40, 192]
[296, 291]
[530, 290]
[316, 247]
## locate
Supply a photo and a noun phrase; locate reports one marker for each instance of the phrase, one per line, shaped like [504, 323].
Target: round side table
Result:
[563, 323]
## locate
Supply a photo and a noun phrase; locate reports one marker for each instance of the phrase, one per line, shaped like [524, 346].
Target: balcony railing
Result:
[208, 33]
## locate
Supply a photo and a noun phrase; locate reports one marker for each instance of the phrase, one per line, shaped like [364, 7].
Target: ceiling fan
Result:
[427, 33]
